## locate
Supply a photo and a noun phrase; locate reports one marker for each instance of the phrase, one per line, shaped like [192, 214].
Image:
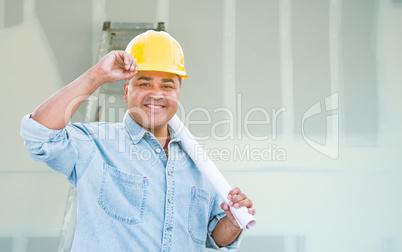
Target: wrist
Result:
[94, 77]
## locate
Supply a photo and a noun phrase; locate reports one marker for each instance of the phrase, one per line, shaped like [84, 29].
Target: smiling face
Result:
[152, 99]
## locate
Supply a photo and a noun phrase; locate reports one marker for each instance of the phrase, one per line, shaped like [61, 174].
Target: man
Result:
[127, 202]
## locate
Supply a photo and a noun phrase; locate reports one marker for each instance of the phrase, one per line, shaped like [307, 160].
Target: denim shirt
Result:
[130, 196]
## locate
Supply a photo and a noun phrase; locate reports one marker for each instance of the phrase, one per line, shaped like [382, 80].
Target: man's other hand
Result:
[237, 199]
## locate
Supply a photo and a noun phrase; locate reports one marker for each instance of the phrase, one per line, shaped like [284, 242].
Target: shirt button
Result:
[168, 228]
[169, 200]
[158, 150]
[168, 173]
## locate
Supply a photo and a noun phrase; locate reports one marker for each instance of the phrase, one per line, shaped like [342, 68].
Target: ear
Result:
[126, 83]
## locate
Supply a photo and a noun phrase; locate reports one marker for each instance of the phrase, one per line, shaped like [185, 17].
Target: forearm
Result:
[224, 232]
[57, 110]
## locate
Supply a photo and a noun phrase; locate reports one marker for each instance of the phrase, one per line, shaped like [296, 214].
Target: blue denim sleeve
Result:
[216, 214]
[63, 150]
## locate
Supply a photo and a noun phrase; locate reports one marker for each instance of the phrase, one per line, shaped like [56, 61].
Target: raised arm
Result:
[56, 111]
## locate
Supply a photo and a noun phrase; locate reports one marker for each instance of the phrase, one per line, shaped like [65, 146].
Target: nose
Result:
[156, 93]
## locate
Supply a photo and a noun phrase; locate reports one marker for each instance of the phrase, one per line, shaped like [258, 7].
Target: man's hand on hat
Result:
[237, 199]
[116, 66]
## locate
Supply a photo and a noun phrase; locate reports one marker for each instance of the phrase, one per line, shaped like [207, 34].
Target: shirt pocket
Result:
[199, 215]
[122, 195]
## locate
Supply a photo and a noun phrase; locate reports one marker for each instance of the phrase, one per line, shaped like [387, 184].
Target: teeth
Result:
[154, 106]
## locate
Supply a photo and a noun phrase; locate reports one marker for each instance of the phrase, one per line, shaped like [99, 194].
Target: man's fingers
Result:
[246, 202]
[236, 199]
[224, 206]
[252, 210]
[130, 63]
[239, 197]
[126, 58]
[133, 66]
[233, 192]
[119, 58]
[129, 75]
[125, 61]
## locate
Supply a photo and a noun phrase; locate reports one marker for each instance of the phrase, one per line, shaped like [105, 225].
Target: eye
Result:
[167, 86]
[144, 85]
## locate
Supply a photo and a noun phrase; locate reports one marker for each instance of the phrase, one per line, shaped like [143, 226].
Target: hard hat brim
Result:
[147, 67]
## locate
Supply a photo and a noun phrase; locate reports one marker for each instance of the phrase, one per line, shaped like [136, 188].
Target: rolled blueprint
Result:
[209, 171]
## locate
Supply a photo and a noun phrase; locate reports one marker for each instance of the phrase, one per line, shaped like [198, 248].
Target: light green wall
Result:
[348, 204]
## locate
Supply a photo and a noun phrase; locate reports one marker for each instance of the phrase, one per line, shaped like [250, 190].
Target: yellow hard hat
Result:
[157, 51]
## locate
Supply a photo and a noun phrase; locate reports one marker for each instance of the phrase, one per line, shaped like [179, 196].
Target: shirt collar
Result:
[137, 132]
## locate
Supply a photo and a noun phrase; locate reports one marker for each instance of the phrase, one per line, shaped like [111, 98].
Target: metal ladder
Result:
[115, 36]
